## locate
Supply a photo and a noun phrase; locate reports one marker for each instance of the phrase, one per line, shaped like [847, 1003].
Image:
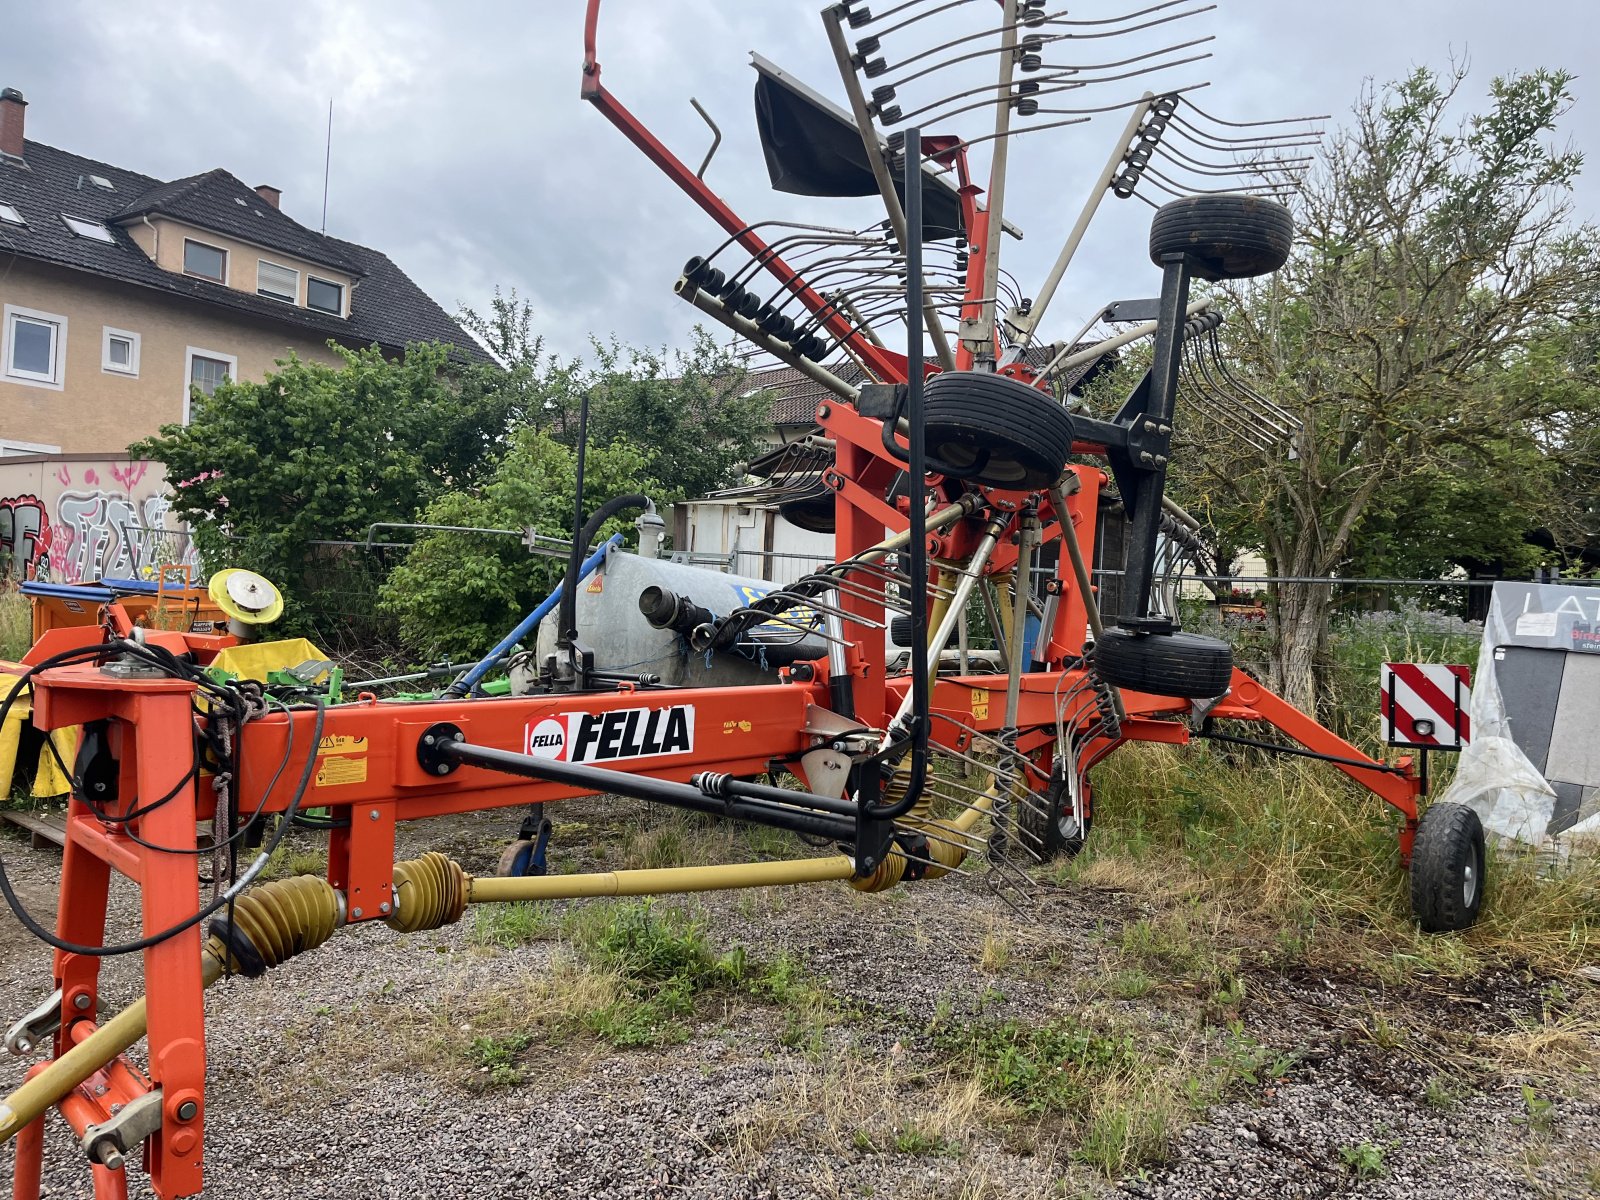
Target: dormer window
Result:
[206, 262]
[280, 283]
[324, 296]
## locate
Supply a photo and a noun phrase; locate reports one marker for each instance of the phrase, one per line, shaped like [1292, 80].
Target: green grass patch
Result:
[508, 926]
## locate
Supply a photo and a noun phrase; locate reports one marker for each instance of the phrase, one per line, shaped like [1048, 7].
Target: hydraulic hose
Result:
[568, 628]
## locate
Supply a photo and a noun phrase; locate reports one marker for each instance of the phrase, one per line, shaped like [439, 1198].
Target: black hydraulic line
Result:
[916, 483]
[1301, 752]
[642, 787]
[580, 543]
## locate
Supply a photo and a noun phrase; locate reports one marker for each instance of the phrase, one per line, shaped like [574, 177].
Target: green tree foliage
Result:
[457, 594]
[691, 412]
[1406, 334]
[317, 453]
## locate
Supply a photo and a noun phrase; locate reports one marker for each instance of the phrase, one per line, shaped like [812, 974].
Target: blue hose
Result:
[491, 660]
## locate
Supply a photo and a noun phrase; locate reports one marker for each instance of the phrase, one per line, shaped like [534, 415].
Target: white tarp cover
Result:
[1494, 776]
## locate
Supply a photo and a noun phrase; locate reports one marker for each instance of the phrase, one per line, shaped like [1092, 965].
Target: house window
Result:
[324, 296]
[208, 262]
[84, 228]
[281, 283]
[205, 369]
[35, 347]
[119, 351]
[10, 215]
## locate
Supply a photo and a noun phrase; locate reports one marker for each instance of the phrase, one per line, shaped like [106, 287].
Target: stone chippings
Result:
[665, 1122]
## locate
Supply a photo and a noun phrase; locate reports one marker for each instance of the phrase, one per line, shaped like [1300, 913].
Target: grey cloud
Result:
[462, 150]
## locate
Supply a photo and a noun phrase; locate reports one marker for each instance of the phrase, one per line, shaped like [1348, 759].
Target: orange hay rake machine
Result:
[949, 479]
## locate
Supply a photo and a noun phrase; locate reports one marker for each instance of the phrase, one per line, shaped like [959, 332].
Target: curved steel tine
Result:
[1222, 365]
[1256, 124]
[1199, 167]
[1216, 404]
[1168, 184]
[1074, 83]
[1217, 141]
[1229, 383]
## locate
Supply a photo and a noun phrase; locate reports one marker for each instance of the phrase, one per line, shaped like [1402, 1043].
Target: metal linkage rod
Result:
[831, 818]
[1026, 324]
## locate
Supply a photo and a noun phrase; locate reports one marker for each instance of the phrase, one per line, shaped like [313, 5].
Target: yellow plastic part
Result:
[254, 659]
[217, 588]
[48, 779]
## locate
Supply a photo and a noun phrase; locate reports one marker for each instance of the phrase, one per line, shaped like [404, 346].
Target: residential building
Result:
[120, 292]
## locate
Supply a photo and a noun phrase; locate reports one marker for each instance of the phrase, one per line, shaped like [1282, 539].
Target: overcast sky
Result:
[462, 150]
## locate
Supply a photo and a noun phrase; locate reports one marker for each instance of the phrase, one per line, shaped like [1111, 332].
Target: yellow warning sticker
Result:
[980, 704]
[342, 743]
[737, 727]
[337, 769]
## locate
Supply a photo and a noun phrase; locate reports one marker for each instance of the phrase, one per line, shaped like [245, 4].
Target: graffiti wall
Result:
[73, 518]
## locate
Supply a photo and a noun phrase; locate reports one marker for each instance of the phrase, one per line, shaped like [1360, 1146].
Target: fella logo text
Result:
[611, 737]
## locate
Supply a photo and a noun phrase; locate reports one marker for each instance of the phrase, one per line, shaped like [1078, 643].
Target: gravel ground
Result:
[320, 1086]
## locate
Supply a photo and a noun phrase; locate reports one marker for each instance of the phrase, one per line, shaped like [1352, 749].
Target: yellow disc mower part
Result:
[245, 596]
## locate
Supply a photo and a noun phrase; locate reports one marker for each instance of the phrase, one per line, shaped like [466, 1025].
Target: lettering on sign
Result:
[614, 736]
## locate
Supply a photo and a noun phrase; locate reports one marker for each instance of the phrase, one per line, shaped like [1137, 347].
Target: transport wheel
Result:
[516, 859]
[996, 431]
[1447, 868]
[900, 630]
[1165, 664]
[1049, 826]
[1226, 237]
[813, 511]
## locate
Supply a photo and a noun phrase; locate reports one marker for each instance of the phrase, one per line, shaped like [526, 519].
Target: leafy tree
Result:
[458, 594]
[691, 412]
[315, 452]
[1432, 259]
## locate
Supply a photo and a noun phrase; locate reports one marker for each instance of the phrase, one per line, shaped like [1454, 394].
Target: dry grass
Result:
[1566, 1042]
[16, 623]
[848, 1105]
[1295, 859]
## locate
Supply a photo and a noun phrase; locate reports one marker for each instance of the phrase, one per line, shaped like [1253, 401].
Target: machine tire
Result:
[1051, 830]
[995, 431]
[1165, 664]
[1447, 869]
[900, 631]
[514, 861]
[1225, 237]
[813, 511]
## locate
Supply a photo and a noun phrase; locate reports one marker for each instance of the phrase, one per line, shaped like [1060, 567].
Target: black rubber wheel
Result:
[1226, 237]
[1165, 664]
[994, 430]
[516, 860]
[1049, 827]
[900, 630]
[813, 511]
[1447, 868]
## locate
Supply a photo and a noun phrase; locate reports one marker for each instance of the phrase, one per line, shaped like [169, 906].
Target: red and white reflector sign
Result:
[1425, 705]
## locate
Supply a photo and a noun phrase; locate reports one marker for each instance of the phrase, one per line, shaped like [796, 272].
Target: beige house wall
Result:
[98, 410]
[162, 239]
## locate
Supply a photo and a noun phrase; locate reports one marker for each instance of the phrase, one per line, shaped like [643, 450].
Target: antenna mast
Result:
[327, 161]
